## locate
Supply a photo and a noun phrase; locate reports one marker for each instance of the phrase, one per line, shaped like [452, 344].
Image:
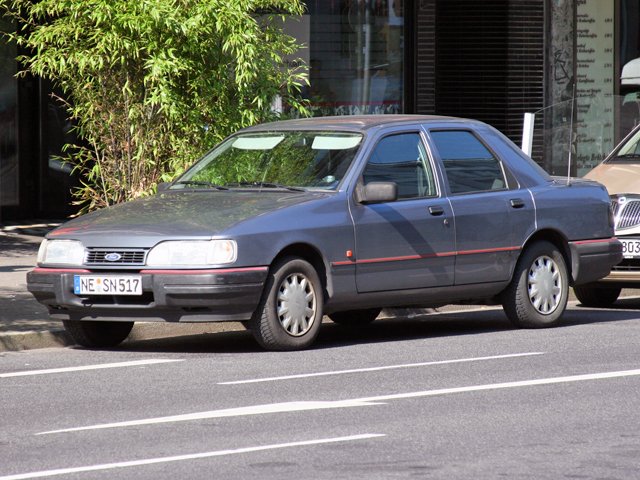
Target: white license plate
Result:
[630, 248]
[107, 284]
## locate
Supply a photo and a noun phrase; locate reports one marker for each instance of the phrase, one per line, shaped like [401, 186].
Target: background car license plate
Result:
[107, 284]
[630, 247]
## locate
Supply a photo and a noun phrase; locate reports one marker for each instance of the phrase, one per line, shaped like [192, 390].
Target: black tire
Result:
[591, 296]
[92, 334]
[355, 318]
[538, 292]
[290, 311]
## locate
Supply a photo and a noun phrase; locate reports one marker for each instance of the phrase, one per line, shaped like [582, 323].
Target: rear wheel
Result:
[290, 311]
[355, 318]
[591, 296]
[537, 295]
[93, 334]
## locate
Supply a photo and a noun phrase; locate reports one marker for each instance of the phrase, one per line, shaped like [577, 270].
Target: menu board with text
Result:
[595, 86]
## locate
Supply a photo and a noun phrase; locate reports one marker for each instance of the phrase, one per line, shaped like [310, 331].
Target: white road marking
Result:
[376, 369]
[498, 386]
[135, 363]
[285, 407]
[193, 456]
[356, 402]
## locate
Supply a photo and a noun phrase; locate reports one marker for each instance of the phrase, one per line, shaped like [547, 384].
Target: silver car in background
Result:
[285, 222]
[620, 173]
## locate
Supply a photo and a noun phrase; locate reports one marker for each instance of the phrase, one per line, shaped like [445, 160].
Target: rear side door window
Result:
[469, 165]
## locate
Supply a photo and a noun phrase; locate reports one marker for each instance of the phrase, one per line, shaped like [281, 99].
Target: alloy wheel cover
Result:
[296, 304]
[544, 285]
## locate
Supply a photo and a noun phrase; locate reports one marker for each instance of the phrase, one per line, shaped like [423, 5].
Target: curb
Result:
[32, 340]
[57, 337]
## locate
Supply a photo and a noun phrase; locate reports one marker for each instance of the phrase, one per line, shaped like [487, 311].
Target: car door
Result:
[407, 243]
[492, 214]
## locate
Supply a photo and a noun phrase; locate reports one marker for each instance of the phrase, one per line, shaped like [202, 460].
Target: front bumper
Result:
[592, 260]
[229, 294]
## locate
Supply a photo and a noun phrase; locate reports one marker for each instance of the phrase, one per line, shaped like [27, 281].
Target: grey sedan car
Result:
[285, 222]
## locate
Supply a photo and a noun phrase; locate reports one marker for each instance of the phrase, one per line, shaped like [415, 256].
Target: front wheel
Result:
[93, 334]
[290, 311]
[537, 294]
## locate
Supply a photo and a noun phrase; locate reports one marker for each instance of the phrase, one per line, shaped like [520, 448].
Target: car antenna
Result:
[573, 102]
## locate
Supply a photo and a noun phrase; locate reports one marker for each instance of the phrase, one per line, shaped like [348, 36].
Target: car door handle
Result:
[516, 203]
[436, 211]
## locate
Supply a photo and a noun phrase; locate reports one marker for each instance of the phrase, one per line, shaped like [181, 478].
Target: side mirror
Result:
[377, 192]
[162, 186]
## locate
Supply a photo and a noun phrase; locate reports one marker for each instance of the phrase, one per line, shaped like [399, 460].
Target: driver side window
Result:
[402, 159]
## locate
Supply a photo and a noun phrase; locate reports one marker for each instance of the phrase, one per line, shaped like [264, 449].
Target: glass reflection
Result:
[355, 56]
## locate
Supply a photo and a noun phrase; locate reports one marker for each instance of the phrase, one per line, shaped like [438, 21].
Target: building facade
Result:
[571, 62]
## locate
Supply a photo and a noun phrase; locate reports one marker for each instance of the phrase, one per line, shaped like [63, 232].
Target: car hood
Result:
[193, 213]
[617, 177]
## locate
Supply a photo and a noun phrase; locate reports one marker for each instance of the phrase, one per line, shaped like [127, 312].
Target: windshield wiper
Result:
[266, 185]
[202, 184]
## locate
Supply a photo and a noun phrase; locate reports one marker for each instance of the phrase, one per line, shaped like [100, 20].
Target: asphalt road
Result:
[446, 396]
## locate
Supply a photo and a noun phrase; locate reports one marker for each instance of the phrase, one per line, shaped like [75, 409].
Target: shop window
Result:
[355, 51]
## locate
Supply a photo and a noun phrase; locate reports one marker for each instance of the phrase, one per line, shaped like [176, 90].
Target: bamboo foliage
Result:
[151, 84]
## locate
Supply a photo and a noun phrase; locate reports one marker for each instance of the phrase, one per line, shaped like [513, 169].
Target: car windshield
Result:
[630, 150]
[278, 159]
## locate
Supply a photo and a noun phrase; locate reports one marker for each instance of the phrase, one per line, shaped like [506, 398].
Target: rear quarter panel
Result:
[579, 210]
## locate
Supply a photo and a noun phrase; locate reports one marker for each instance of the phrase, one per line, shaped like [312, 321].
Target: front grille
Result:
[627, 214]
[627, 265]
[129, 256]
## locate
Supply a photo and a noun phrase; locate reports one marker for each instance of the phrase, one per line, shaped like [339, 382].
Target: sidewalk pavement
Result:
[25, 324]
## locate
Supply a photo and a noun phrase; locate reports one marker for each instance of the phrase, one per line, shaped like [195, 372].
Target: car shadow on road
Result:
[623, 309]
[589, 316]
[402, 328]
[238, 341]
[629, 303]
[399, 328]
[392, 329]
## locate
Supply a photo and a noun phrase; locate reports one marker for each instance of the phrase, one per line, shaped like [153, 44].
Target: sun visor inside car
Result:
[325, 142]
[257, 143]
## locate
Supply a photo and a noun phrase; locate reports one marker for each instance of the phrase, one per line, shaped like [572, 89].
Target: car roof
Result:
[349, 122]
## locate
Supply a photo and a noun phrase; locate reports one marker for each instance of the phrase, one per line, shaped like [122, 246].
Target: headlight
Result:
[192, 253]
[61, 252]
